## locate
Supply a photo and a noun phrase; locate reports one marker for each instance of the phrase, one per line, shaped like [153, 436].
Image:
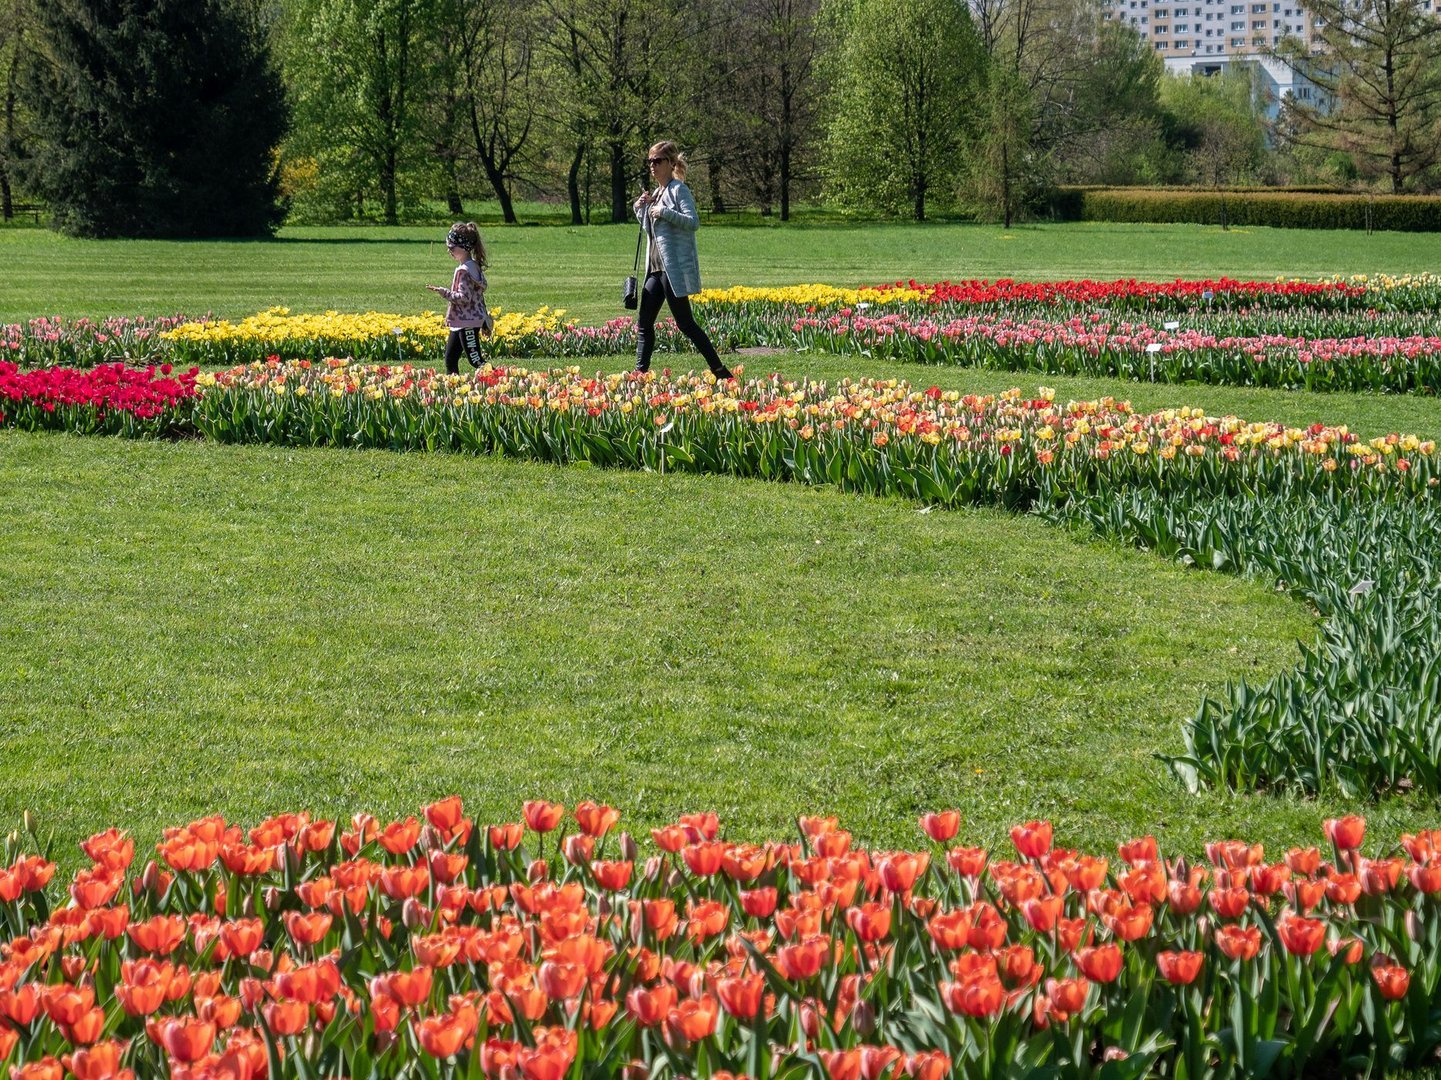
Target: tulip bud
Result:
[247, 905]
[150, 877]
[414, 915]
[675, 880]
[28, 820]
[537, 871]
[636, 1070]
[863, 1017]
[293, 857]
[629, 850]
[1114, 1053]
[72, 967]
[578, 848]
[384, 1040]
[1414, 930]
[430, 839]
[652, 868]
[602, 906]
[273, 898]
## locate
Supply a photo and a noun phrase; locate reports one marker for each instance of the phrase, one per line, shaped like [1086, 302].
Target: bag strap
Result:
[638, 236]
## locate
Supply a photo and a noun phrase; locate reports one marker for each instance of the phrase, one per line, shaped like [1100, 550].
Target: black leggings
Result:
[657, 288]
[464, 343]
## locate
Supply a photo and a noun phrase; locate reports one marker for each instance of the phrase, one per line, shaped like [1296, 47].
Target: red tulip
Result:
[1179, 968]
[942, 826]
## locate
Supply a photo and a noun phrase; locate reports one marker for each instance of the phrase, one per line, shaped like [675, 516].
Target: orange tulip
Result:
[759, 903]
[1239, 942]
[803, 961]
[404, 882]
[1347, 833]
[560, 980]
[444, 1036]
[398, 837]
[1130, 923]
[649, 1007]
[285, 1018]
[928, 1065]
[161, 935]
[611, 876]
[870, 921]
[988, 927]
[968, 862]
[1343, 888]
[942, 826]
[595, 820]
[550, 1058]
[506, 837]
[1033, 839]
[1100, 963]
[407, 988]
[704, 858]
[1230, 903]
[20, 1006]
[47, 1068]
[694, 1019]
[95, 887]
[187, 1040]
[660, 917]
[542, 817]
[1300, 935]
[881, 1062]
[98, 1062]
[1142, 850]
[1179, 968]
[311, 983]
[949, 929]
[445, 814]
[65, 1004]
[1392, 980]
[980, 996]
[899, 870]
[1427, 878]
[308, 929]
[841, 1064]
[1068, 996]
[741, 995]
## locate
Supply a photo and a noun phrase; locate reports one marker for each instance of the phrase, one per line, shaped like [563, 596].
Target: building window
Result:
[1237, 43]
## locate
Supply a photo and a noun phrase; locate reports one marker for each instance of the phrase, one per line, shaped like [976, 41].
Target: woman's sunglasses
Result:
[656, 160]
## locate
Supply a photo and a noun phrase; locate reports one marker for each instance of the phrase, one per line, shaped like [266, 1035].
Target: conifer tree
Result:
[154, 118]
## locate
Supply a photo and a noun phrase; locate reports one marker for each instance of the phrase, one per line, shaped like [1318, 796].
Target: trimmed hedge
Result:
[1280, 209]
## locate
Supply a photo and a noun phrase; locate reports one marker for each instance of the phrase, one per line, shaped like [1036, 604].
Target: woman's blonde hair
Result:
[670, 151]
[466, 234]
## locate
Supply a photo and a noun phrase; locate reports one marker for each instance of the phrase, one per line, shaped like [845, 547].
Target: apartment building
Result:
[1203, 37]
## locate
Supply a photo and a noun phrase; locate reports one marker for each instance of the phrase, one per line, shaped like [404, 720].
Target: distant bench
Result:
[33, 209]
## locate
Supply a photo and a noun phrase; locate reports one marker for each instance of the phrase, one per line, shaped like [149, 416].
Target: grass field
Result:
[580, 270]
[192, 628]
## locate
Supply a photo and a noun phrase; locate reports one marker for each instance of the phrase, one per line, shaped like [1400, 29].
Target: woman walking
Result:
[672, 269]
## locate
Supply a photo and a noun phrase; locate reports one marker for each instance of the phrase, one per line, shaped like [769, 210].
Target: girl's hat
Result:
[454, 239]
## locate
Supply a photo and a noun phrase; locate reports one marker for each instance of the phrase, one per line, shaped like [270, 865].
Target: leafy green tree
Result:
[15, 26]
[1217, 123]
[905, 72]
[1377, 67]
[152, 118]
[494, 46]
[360, 71]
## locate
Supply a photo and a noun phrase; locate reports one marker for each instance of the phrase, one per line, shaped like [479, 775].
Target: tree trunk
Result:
[387, 188]
[1006, 183]
[453, 203]
[619, 195]
[572, 183]
[785, 183]
[717, 201]
[7, 197]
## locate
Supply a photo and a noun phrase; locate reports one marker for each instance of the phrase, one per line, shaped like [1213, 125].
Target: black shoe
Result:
[722, 375]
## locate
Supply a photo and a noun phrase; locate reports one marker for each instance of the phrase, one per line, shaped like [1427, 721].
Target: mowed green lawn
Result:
[580, 269]
[193, 628]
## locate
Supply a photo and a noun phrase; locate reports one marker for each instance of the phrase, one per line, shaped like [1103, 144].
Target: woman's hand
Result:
[642, 200]
[656, 211]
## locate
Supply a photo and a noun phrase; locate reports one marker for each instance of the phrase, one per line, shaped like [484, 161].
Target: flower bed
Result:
[109, 399]
[878, 436]
[1317, 510]
[305, 948]
[1359, 334]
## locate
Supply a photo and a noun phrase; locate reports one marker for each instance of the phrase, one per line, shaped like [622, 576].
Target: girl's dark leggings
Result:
[657, 288]
[464, 343]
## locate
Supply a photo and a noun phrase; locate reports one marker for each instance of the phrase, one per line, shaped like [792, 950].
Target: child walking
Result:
[465, 314]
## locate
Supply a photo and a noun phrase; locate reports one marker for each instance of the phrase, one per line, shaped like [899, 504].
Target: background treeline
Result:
[221, 117]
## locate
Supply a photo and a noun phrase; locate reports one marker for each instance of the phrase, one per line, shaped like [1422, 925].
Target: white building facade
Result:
[1204, 37]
